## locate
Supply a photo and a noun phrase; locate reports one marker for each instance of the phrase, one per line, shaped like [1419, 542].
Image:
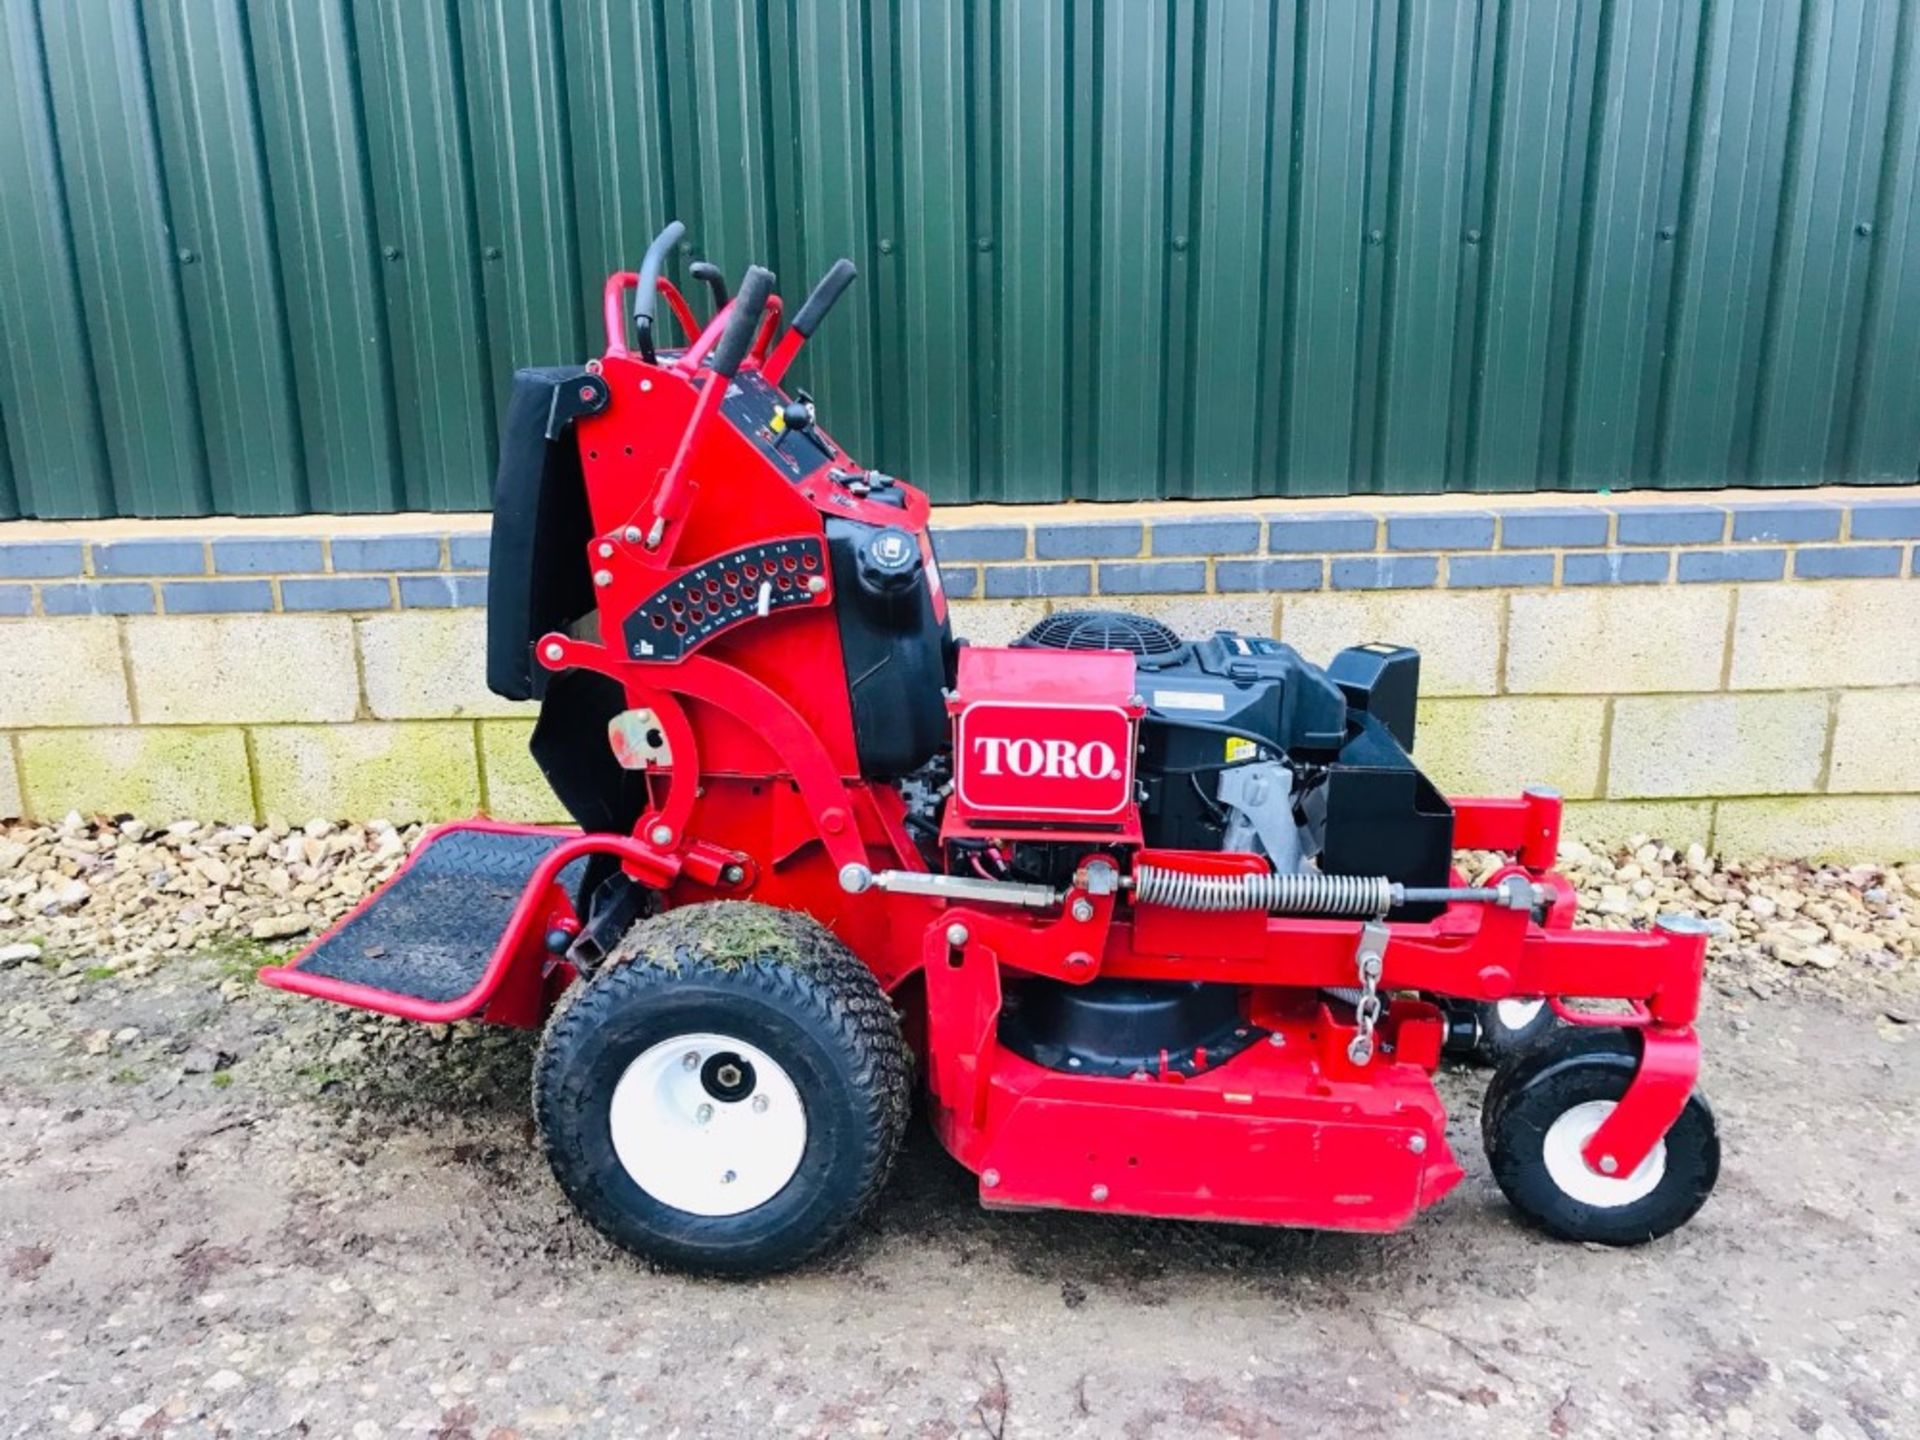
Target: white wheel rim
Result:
[1569, 1170]
[698, 1149]
[1517, 1014]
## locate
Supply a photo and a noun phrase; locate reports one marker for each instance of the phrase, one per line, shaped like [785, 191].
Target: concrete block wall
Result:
[1742, 670]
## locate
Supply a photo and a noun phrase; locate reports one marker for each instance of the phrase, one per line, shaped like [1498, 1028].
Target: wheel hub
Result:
[1568, 1168]
[708, 1124]
[727, 1076]
[1518, 1014]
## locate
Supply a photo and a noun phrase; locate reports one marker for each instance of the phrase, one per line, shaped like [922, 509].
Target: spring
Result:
[1305, 892]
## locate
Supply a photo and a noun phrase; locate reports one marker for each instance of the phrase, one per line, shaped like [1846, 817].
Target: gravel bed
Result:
[125, 894]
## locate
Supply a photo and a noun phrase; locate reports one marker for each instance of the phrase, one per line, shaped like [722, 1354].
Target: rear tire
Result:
[1543, 1104]
[727, 1093]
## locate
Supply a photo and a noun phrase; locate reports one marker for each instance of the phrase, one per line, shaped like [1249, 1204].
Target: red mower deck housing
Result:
[730, 752]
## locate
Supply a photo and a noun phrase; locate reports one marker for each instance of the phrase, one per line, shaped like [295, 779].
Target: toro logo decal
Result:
[1045, 761]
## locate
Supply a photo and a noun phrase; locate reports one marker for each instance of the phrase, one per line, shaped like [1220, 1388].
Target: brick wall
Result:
[1744, 671]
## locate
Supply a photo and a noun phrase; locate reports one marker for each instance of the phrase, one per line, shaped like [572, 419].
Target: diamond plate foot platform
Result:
[430, 934]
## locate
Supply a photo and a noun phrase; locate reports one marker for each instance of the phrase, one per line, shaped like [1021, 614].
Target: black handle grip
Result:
[709, 274]
[649, 286]
[744, 322]
[824, 296]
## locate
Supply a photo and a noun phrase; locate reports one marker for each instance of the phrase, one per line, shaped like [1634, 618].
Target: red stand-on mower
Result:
[1166, 925]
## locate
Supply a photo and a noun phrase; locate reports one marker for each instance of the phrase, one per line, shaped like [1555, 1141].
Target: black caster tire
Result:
[1543, 1104]
[1511, 1027]
[728, 1091]
[1488, 1032]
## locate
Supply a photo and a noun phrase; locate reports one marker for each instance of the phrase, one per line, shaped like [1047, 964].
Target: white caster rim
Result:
[708, 1124]
[1517, 1014]
[1568, 1168]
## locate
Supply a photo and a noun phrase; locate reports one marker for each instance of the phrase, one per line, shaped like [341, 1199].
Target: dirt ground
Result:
[224, 1211]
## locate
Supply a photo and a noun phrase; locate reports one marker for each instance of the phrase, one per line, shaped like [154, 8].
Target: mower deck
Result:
[431, 933]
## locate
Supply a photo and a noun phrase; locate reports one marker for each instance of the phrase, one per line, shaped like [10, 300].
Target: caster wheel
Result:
[1487, 1032]
[1541, 1108]
[727, 1092]
[1511, 1027]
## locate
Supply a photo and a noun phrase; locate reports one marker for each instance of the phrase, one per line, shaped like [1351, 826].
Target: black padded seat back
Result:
[537, 577]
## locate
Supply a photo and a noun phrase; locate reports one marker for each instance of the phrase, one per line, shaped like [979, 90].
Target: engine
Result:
[1231, 742]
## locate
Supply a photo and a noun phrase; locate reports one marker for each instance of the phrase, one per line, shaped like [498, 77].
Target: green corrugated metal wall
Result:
[264, 256]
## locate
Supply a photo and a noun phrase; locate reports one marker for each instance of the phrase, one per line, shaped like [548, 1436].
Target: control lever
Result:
[823, 298]
[796, 416]
[743, 320]
[710, 275]
[644, 292]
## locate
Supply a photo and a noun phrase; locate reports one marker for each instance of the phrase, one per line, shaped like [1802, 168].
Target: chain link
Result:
[1368, 961]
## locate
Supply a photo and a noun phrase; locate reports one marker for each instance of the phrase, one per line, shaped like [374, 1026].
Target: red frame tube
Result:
[777, 364]
[613, 308]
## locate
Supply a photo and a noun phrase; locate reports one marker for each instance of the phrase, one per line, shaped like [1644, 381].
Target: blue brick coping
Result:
[1096, 540]
[38, 559]
[1042, 554]
[217, 597]
[1440, 531]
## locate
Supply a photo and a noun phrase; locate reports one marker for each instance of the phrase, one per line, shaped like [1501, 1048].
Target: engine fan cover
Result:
[1151, 644]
